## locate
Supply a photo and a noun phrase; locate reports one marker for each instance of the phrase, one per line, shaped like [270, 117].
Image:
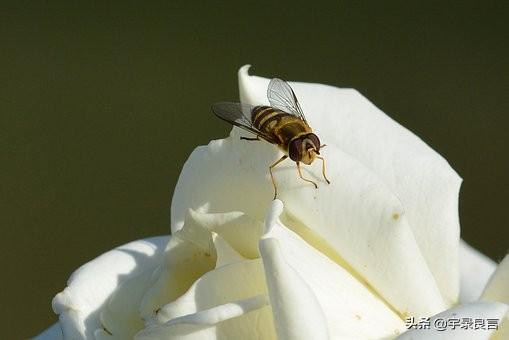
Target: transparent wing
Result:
[239, 115]
[282, 97]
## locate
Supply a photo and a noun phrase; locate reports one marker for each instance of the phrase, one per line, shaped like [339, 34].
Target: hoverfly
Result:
[283, 124]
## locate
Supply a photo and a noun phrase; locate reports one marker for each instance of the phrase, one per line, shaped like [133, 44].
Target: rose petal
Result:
[418, 176]
[92, 284]
[234, 320]
[299, 275]
[223, 312]
[361, 219]
[237, 281]
[210, 300]
[297, 313]
[239, 230]
[231, 164]
[225, 253]
[120, 318]
[52, 333]
[189, 254]
[357, 214]
[475, 271]
[482, 310]
[497, 288]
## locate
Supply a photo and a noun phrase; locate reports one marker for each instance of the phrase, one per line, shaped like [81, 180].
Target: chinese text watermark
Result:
[442, 324]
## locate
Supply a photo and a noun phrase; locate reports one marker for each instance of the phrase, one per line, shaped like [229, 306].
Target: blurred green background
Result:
[100, 105]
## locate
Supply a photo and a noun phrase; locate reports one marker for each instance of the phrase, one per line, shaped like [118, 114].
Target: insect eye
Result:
[314, 139]
[295, 149]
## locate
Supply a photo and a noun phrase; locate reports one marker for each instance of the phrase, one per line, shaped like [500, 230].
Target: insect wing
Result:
[282, 97]
[239, 115]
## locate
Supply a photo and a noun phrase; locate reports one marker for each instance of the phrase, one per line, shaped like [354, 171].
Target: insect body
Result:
[283, 124]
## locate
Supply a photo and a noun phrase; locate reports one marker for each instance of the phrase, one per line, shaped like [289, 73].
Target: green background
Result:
[100, 105]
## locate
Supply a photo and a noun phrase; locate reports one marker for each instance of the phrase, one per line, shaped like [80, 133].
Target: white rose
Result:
[349, 260]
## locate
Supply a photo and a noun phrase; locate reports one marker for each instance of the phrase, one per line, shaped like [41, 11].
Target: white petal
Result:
[481, 310]
[223, 312]
[237, 281]
[366, 224]
[234, 320]
[120, 318]
[227, 298]
[357, 214]
[475, 271]
[226, 175]
[419, 177]
[297, 312]
[189, 254]
[239, 230]
[225, 253]
[52, 333]
[498, 285]
[298, 274]
[92, 284]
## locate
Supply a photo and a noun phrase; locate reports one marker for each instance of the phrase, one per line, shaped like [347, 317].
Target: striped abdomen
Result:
[281, 126]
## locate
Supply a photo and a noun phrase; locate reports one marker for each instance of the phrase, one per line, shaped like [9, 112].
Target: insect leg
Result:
[323, 169]
[307, 180]
[272, 176]
[248, 138]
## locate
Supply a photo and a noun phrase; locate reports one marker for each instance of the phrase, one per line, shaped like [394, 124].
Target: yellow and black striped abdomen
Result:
[281, 126]
[265, 118]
